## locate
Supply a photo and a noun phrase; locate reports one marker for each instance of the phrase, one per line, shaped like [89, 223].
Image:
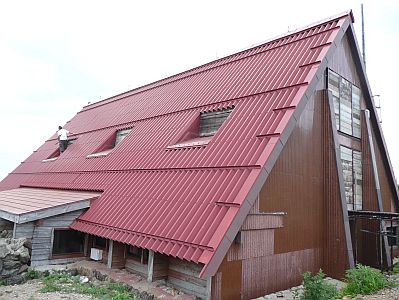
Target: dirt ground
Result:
[31, 291]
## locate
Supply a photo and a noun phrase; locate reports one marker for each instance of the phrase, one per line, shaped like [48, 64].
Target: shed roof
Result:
[23, 205]
[187, 199]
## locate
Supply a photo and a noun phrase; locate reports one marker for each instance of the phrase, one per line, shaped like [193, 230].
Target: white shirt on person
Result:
[63, 134]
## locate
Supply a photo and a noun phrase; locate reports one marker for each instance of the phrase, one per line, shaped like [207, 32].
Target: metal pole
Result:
[363, 42]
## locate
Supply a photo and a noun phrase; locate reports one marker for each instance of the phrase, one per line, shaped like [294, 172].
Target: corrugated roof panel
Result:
[181, 201]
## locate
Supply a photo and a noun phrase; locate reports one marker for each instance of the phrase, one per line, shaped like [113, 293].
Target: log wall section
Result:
[185, 276]
[42, 239]
[24, 230]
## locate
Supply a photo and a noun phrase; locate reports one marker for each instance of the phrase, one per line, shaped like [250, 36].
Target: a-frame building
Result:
[228, 180]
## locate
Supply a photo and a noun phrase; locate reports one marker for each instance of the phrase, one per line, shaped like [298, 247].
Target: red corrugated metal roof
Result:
[182, 201]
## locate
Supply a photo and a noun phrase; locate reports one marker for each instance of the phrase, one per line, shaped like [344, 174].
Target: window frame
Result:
[338, 109]
[213, 120]
[65, 255]
[352, 200]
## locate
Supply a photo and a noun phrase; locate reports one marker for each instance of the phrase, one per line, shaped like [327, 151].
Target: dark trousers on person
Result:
[63, 145]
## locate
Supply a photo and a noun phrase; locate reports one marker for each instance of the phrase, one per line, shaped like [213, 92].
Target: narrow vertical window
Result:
[356, 111]
[333, 86]
[345, 107]
[357, 180]
[353, 177]
[347, 168]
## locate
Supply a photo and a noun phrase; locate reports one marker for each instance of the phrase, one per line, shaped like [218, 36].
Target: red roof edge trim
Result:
[77, 226]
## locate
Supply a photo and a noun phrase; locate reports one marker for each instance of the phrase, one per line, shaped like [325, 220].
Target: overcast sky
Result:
[56, 57]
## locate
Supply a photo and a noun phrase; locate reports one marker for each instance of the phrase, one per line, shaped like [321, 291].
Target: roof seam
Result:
[151, 170]
[199, 106]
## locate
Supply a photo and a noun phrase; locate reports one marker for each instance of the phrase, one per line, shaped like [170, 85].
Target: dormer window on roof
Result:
[53, 156]
[210, 121]
[120, 135]
[201, 131]
[110, 143]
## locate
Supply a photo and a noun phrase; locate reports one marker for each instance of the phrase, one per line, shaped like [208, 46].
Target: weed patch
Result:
[316, 288]
[364, 280]
[65, 283]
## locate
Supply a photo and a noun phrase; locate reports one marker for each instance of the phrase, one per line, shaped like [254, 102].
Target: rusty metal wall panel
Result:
[335, 256]
[295, 185]
[231, 279]
[268, 274]
[217, 286]
[255, 243]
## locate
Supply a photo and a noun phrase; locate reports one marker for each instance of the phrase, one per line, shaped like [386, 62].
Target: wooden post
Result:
[377, 186]
[209, 288]
[110, 248]
[150, 275]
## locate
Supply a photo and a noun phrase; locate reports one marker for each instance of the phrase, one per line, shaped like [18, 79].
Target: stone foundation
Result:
[14, 259]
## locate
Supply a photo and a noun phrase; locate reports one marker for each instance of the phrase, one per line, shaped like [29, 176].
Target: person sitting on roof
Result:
[63, 138]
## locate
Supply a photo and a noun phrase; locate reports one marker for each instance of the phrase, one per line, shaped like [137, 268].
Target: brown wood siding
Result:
[295, 186]
[118, 255]
[134, 266]
[264, 275]
[335, 255]
[342, 62]
[184, 275]
[228, 280]
[161, 266]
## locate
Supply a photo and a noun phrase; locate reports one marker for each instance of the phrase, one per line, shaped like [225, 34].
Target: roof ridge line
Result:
[160, 82]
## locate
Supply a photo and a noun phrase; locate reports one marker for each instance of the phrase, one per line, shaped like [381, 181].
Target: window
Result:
[115, 139]
[200, 132]
[346, 98]
[392, 235]
[120, 135]
[353, 178]
[137, 253]
[211, 121]
[67, 241]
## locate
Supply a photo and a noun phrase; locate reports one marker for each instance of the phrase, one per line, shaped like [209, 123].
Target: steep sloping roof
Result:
[187, 201]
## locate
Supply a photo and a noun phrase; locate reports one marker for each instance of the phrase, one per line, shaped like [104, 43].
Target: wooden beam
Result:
[150, 275]
[340, 180]
[209, 288]
[377, 184]
[110, 248]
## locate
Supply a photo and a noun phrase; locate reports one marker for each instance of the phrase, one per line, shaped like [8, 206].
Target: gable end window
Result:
[346, 98]
[353, 178]
[211, 121]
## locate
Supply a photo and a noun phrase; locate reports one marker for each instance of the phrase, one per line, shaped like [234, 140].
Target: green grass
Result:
[32, 274]
[363, 280]
[65, 283]
[316, 288]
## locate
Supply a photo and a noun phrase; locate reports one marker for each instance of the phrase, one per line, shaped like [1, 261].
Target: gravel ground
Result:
[386, 294]
[31, 291]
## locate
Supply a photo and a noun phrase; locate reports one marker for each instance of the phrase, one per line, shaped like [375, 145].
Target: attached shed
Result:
[44, 217]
